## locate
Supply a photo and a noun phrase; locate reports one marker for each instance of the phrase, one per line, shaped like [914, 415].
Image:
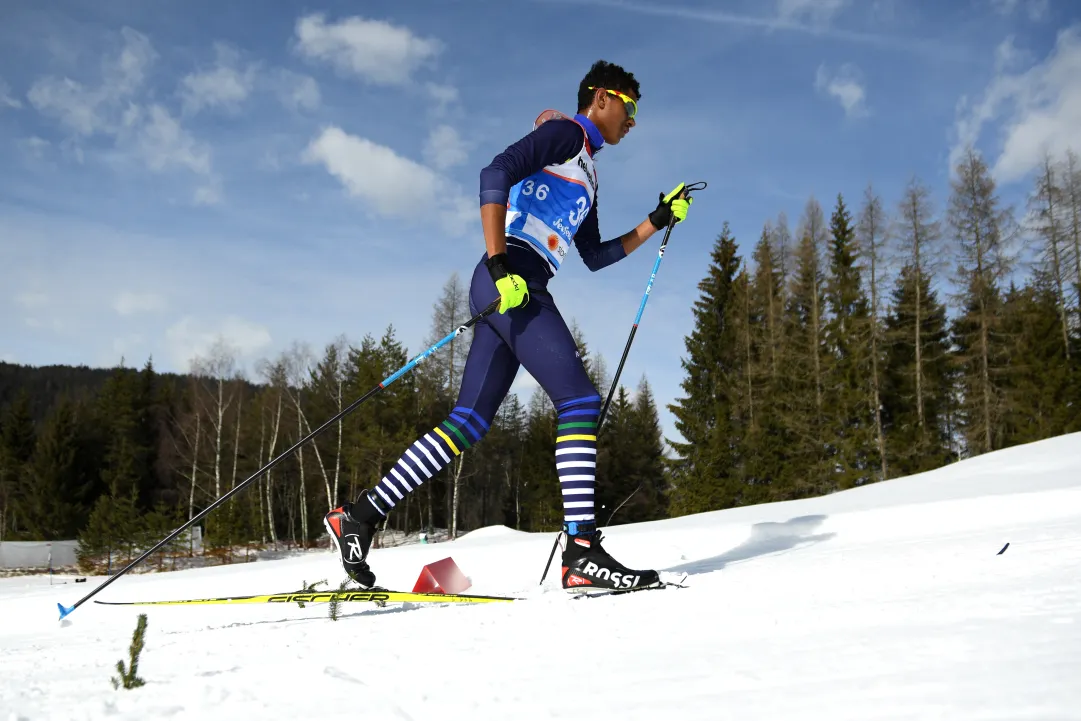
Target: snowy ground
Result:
[885, 602]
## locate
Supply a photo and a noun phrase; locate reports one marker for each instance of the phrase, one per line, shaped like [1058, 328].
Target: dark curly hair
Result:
[607, 75]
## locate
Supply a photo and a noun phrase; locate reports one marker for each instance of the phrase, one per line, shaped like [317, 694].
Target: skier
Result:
[537, 198]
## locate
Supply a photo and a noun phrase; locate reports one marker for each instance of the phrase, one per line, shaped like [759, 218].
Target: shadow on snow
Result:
[767, 537]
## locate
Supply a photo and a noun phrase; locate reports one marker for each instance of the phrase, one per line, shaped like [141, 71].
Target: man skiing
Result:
[537, 198]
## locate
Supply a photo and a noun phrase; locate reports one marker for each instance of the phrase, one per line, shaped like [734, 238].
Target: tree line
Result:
[128, 456]
[860, 348]
[884, 344]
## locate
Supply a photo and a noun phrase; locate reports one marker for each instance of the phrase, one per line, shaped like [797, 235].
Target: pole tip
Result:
[64, 611]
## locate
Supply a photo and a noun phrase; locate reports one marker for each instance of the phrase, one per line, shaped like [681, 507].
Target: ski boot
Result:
[352, 526]
[587, 566]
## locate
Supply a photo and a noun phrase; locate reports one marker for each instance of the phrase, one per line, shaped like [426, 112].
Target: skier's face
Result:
[613, 113]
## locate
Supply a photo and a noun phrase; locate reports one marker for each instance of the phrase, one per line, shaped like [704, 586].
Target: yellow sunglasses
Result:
[628, 102]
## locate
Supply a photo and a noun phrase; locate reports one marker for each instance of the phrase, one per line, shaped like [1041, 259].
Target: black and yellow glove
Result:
[513, 291]
[670, 205]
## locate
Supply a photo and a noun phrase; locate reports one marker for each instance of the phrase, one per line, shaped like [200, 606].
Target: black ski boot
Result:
[352, 526]
[587, 566]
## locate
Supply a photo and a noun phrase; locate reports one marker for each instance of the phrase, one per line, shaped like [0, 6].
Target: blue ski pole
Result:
[642, 306]
[492, 307]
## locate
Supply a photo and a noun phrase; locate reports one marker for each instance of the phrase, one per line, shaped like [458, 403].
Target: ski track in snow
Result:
[884, 602]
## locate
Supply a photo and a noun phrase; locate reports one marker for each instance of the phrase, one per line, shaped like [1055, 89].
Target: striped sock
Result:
[427, 456]
[576, 455]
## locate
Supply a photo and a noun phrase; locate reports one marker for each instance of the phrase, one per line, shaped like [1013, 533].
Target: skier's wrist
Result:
[497, 266]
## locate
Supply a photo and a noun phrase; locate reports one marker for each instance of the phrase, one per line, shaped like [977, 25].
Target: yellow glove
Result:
[671, 205]
[513, 291]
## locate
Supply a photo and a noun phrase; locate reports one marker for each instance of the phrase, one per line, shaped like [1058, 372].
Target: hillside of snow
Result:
[889, 601]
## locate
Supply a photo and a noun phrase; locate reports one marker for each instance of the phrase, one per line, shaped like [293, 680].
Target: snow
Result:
[885, 602]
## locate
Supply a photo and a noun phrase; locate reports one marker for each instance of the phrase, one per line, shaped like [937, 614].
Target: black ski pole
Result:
[64, 611]
[630, 339]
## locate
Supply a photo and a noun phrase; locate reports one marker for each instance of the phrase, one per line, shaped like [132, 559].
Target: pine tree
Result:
[766, 297]
[982, 232]
[631, 483]
[802, 397]
[504, 449]
[616, 480]
[702, 472]
[596, 368]
[1042, 388]
[17, 441]
[651, 502]
[918, 434]
[542, 501]
[55, 486]
[764, 447]
[847, 331]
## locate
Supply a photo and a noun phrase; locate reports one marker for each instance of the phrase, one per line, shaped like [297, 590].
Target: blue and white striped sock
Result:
[427, 456]
[576, 456]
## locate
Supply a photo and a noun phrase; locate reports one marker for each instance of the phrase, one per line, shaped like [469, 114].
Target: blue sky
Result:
[172, 172]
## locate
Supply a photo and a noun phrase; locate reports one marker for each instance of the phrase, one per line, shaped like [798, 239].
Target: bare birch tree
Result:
[983, 233]
[1048, 221]
[274, 376]
[1072, 197]
[297, 362]
[448, 364]
[871, 231]
[919, 237]
[217, 369]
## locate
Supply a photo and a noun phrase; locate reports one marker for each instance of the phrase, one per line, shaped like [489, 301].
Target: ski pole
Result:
[641, 308]
[349, 409]
[630, 339]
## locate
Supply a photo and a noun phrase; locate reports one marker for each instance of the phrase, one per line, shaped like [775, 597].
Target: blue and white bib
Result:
[546, 208]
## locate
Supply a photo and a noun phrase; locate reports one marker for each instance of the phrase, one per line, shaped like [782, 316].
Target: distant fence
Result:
[38, 554]
[58, 554]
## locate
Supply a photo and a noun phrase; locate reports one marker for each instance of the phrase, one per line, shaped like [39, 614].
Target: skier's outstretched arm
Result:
[597, 254]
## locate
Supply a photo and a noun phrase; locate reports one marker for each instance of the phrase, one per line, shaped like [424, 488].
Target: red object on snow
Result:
[442, 577]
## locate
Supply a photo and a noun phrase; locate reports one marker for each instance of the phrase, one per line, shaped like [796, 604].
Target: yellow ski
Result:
[380, 597]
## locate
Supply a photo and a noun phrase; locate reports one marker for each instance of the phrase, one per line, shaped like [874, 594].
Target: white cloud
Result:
[1036, 110]
[846, 86]
[190, 337]
[148, 133]
[162, 143]
[374, 50]
[87, 111]
[69, 102]
[445, 148]
[1008, 55]
[296, 91]
[129, 303]
[817, 12]
[390, 184]
[226, 85]
[8, 358]
[6, 99]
